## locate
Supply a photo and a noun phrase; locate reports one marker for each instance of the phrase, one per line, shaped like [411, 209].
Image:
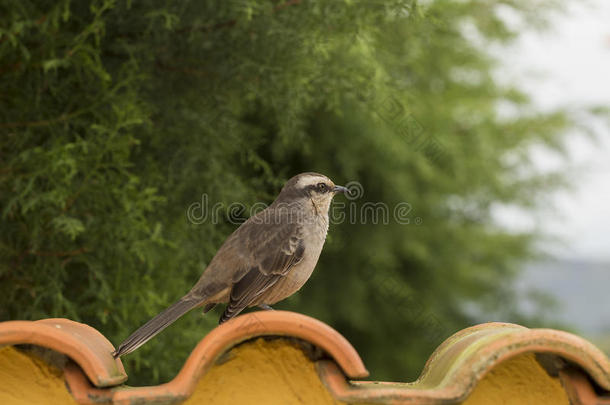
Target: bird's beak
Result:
[341, 189]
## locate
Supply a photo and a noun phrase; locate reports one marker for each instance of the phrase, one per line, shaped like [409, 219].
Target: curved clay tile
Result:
[217, 342]
[458, 364]
[82, 343]
[274, 323]
[452, 373]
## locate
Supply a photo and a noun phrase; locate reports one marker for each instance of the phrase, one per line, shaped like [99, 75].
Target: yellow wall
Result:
[25, 380]
[518, 381]
[262, 372]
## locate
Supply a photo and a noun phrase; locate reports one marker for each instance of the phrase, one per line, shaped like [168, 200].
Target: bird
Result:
[266, 259]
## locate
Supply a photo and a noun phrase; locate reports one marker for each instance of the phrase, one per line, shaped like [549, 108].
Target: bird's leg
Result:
[208, 308]
[265, 307]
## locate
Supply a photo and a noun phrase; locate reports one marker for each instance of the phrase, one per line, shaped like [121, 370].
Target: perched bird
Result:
[268, 258]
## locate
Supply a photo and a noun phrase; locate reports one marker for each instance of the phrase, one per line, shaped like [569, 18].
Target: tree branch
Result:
[60, 253]
[230, 23]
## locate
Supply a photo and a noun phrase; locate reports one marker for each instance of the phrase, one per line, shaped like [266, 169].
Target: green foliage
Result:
[116, 116]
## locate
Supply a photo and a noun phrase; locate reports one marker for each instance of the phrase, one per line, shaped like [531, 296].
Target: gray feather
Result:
[261, 278]
[151, 328]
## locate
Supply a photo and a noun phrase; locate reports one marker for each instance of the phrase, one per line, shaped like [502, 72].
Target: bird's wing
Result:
[274, 249]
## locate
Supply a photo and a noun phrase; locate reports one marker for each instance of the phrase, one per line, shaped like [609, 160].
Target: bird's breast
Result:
[314, 236]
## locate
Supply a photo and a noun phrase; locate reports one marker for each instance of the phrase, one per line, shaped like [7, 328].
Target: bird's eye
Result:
[321, 187]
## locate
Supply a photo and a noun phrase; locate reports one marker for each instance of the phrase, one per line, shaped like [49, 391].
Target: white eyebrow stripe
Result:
[310, 180]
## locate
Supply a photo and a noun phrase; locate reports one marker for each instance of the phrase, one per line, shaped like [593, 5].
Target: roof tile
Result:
[450, 375]
[82, 343]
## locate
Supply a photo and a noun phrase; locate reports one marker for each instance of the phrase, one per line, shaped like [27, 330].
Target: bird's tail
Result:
[155, 325]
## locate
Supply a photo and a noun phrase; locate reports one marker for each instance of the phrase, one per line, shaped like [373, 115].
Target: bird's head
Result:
[312, 188]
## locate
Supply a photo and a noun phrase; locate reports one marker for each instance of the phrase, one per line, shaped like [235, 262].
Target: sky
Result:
[569, 65]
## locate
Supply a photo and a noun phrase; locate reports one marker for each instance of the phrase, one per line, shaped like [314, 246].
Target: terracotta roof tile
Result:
[82, 343]
[457, 365]
[227, 335]
[451, 374]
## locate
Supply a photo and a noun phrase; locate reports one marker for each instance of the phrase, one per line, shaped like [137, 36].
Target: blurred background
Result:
[480, 127]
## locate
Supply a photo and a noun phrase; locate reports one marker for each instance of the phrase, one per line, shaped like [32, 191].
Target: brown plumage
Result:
[268, 258]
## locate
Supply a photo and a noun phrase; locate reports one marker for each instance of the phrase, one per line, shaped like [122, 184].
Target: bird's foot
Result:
[266, 307]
